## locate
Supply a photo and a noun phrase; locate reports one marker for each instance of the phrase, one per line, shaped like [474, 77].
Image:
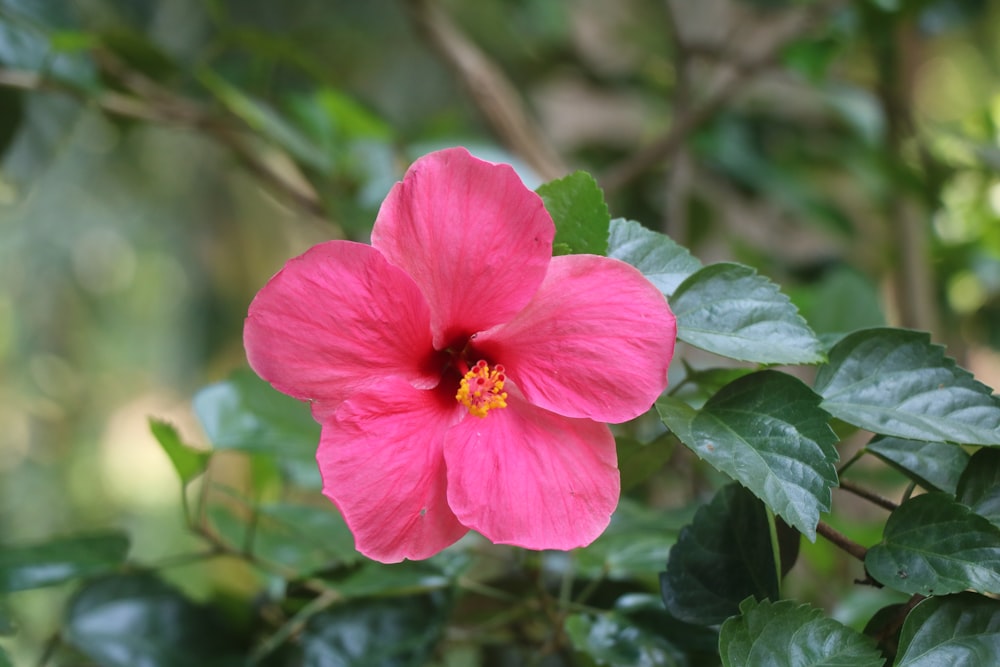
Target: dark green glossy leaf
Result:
[245, 413]
[723, 557]
[399, 632]
[59, 560]
[188, 461]
[634, 545]
[766, 431]
[730, 310]
[662, 261]
[787, 634]
[979, 486]
[934, 545]
[934, 465]
[136, 619]
[953, 630]
[895, 382]
[614, 639]
[577, 206]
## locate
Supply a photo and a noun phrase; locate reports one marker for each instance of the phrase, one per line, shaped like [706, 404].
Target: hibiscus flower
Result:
[461, 374]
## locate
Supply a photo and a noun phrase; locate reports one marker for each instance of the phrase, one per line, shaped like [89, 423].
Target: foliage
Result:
[788, 365]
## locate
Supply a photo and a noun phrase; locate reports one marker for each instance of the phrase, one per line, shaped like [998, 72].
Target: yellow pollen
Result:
[481, 389]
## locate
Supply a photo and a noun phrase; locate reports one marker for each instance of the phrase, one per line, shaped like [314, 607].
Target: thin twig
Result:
[841, 541]
[728, 82]
[491, 91]
[867, 494]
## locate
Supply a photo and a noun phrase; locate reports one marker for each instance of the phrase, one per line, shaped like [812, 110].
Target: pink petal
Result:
[528, 477]
[338, 318]
[382, 465]
[595, 341]
[471, 235]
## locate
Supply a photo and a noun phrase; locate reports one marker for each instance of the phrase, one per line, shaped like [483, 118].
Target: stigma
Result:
[481, 389]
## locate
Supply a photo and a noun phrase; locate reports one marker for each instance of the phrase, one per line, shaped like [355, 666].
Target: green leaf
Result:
[723, 557]
[303, 538]
[5, 659]
[730, 310]
[979, 486]
[933, 545]
[399, 632]
[934, 465]
[787, 634]
[245, 413]
[406, 578]
[614, 639]
[266, 120]
[59, 560]
[7, 625]
[136, 619]
[577, 206]
[638, 461]
[961, 629]
[766, 431]
[665, 263]
[895, 382]
[634, 545]
[188, 461]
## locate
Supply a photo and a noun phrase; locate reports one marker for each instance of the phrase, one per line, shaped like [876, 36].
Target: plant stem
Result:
[841, 541]
[862, 492]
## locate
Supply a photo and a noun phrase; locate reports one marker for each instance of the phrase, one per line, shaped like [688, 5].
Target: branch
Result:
[862, 492]
[491, 91]
[728, 82]
[841, 541]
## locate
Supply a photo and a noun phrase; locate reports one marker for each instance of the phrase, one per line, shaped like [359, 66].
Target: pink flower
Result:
[462, 374]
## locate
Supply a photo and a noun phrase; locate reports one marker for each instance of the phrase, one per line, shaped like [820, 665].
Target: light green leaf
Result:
[265, 120]
[766, 431]
[638, 461]
[979, 486]
[934, 465]
[188, 461]
[136, 619]
[934, 545]
[951, 630]
[59, 560]
[577, 206]
[245, 413]
[895, 382]
[663, 262]
[303, 538]
[720, 559]
[730, 310]
[787, 634]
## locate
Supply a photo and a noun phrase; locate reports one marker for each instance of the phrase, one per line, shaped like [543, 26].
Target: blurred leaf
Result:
[245, 413]
[842, 301]
[5, 659]
[730, 310]
[662, 261]
[577, 206]
[979, 486]
[373, 579]
[303, 538]
[721, 558]
[895, 382]
[961, 629]
[396, 632]
[933, 545]
[787, 634]
[766, 431]
[59, 560]
[26, 44]
[266, 120]
[936, 466]
[639, 461]
[699, 385]
[634, 545]
[136, 619]
[7, 625]
[613, 639]
[188, 461]
[335, 119]
[138, 52]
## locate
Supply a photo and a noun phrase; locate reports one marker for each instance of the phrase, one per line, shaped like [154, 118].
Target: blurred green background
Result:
[161, 159]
